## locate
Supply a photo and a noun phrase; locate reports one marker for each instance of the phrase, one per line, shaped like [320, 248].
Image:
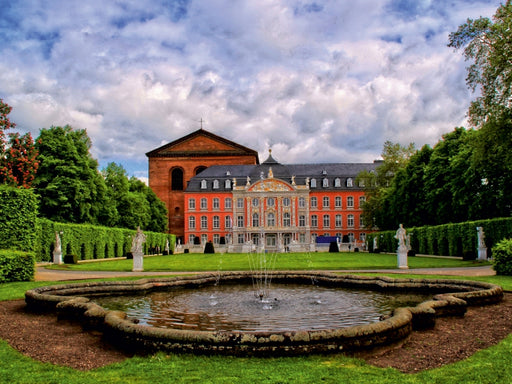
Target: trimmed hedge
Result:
[18, 215]
[456, 239]
[502, 257]
[16, 266]
[90, 242]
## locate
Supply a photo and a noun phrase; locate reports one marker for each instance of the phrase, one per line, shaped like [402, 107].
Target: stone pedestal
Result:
[402, 257]
[138, 262]
[482, 253]
[57, 257]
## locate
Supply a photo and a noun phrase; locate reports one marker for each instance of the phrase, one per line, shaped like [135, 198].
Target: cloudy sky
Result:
[318, 81]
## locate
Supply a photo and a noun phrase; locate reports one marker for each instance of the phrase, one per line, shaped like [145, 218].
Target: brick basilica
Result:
[217, 190]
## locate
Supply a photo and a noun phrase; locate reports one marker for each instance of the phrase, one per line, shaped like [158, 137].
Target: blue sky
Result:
[318, 81]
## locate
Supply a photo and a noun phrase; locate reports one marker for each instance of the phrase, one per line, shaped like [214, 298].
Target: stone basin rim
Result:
[451, 298]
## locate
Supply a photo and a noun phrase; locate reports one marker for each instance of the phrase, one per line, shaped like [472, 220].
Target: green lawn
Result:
[493, 365]
[283, 261]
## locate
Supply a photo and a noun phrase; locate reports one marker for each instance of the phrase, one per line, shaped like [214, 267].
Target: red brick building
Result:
[171, 167]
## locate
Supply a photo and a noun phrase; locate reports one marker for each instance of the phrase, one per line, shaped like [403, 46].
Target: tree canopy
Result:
[18, 155]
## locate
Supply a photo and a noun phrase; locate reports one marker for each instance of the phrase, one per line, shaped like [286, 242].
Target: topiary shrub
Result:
[208, 248]
[502, 257]
[333, 247]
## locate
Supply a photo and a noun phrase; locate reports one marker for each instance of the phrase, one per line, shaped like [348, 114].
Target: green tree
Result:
[69, 185]
[377, 184]
[134, 203]
[487, 46]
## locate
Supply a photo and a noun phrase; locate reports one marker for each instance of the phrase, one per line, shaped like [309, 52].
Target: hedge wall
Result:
[89, 242]
[18, 214]
[448, 239]
[16, 266]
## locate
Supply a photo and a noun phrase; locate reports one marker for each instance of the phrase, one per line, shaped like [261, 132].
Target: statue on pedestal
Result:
[401, 236]
[138, 257]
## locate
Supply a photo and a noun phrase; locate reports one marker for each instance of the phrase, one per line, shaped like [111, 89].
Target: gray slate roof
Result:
[331, 171]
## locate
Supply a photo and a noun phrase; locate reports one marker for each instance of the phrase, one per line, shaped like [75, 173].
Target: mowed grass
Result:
[493, 365]
[283, 261]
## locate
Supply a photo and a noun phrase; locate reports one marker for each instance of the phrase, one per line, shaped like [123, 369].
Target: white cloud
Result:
[317, 81]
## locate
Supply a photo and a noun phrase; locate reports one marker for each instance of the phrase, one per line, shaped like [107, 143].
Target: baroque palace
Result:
[217, 190]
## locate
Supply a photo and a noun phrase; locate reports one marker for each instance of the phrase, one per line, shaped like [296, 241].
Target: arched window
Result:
[215, 184]
[177, 179]
[313, 183]
[350, 182]
[337, 182]
[286, 219]
[227, 184]
[325, 182]
[204, 184]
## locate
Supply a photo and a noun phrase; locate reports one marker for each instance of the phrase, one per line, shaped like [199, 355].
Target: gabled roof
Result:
[210, 145]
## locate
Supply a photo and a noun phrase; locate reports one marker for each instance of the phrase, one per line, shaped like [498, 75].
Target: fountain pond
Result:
[223, 315]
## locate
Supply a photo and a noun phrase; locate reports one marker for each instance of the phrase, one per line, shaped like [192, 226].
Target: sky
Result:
[316, 81]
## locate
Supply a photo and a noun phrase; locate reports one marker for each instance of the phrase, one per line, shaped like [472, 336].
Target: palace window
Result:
[239, 203]
[191, 203]
[286, 202]
[337, 201]
[216, 203]
[325, 182]
[191, 239]
[337, 182]
[314, 220]
[204, 222]
[302, 202]
[314, 202]
[255, 220]
[240, 221]
[361, 222]
[227, 222]
[204, 238]
[255, 202]
[286, 219]
[362, 200]
[350, 221]
[302, 221]
[338, 221]
[204, 203]
[350, 202]
[216, 238]
[227, 203]
[204, 184]
[313, 183]
[327, 221]
[215, 184]
[350, 182]
[271, 202]
[326, 202]
[227, 184]
[216, 222]
[191, 222]
[271, 220]
[241, 238]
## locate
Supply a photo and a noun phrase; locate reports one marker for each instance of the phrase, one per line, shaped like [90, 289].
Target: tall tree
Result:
[69, 185]
[487, 46]
[18, 155]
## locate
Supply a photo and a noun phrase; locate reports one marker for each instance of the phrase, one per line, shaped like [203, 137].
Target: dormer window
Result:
[325, 182]
[227, 184]
[337, 182]
[204, 184]
[350, 182]
[215, 184]
[313, 183]
[324, 172]
[228, 173]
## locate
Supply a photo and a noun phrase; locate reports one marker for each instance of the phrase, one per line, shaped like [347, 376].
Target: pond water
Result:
[236, 307]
